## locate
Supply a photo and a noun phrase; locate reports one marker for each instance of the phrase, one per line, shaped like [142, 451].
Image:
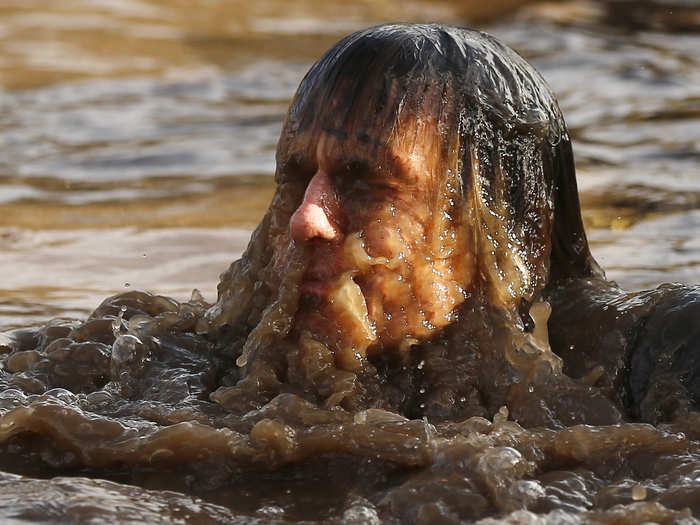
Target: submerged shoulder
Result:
[664, 359]
[646, 344]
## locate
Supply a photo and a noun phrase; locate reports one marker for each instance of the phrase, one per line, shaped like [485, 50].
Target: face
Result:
[383, 231]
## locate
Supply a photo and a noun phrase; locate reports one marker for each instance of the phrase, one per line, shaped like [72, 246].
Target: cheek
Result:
[386, 291]
[440, 288]
[444, 277]
[384, 240]
[390, 303]
[393, 236]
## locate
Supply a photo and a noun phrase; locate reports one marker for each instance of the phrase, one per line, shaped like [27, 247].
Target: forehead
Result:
[413, 148]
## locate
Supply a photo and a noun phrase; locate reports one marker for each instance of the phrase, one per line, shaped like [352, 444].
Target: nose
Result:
[314, 216]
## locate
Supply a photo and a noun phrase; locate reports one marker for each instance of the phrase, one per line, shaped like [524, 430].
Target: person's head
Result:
[421, 170]
[432, 161]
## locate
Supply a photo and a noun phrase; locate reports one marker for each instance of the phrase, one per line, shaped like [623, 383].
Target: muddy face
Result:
[382, 230]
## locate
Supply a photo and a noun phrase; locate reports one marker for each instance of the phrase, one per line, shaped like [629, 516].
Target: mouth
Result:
[314, 287]
[320, 276]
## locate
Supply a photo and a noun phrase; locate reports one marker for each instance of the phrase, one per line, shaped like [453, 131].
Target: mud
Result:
[124, 396]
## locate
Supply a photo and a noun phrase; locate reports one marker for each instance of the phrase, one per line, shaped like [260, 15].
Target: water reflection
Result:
[148, 114]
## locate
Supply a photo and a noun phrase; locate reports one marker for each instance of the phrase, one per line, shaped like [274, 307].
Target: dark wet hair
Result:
[500, 122]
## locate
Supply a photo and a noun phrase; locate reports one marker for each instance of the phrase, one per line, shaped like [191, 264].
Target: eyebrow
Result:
[339, 133]
[296, 163]
[364, 137]
[353, 164]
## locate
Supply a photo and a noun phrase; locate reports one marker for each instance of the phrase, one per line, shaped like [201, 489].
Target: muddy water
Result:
[136, 147]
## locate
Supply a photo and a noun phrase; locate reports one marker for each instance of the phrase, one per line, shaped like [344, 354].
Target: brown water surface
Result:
[137, 144]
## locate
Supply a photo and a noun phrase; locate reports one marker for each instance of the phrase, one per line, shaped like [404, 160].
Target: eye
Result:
[359, 186]
[362, 178]
[351, 184]
[356, 167]
[294, 170]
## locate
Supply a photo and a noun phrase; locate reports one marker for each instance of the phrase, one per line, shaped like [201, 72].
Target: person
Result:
[426, 199]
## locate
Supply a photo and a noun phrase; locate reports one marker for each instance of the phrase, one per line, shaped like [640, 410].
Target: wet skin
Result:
[388, 217]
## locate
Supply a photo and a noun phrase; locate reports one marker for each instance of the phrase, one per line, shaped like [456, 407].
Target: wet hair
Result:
[501, 131]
